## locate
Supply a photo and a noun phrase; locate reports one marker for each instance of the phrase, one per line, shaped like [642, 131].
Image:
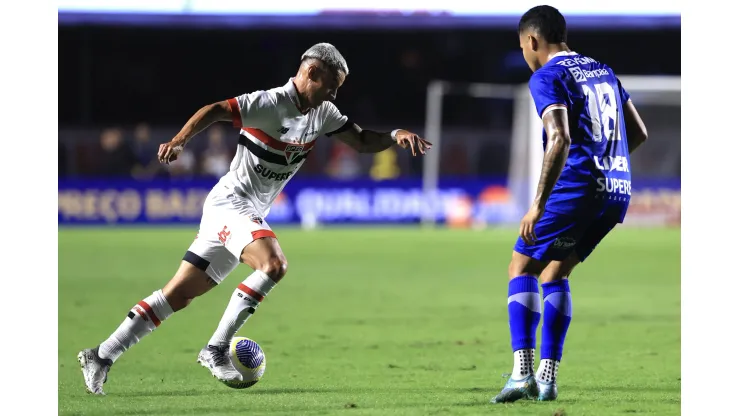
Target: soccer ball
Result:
[248, 359]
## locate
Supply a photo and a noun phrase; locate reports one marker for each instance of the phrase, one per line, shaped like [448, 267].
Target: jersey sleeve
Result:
[548, 92]
[623, 94]
[334, 121]
[247, 109]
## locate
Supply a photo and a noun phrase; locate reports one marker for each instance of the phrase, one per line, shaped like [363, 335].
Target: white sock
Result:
[246, 298]
[142, 319]
[548, 370]
[523, 363]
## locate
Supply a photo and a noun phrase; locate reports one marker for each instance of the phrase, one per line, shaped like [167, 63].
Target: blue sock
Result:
[524, 312]
[556, 318]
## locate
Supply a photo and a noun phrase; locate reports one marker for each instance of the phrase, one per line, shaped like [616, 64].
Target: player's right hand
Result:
[526, 227]
[168, 152]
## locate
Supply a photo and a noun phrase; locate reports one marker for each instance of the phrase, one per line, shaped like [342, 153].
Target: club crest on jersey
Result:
[255, 219]
[292, 151]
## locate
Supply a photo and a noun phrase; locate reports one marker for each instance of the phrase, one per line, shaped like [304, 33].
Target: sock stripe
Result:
[150, 312]
[139, 310]
[251, 292]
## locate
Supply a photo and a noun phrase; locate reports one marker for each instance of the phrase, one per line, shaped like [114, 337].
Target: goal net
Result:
[513, 145]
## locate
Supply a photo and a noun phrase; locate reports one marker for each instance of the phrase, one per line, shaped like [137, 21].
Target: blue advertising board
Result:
[126, 201]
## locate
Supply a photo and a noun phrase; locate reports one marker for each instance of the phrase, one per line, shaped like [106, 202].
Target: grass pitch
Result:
[373, 321]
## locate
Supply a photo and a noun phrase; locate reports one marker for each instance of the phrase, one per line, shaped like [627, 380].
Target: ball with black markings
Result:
[249, 360]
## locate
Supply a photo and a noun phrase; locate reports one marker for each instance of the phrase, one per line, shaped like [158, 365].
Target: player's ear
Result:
[532, 42]
[314, 73]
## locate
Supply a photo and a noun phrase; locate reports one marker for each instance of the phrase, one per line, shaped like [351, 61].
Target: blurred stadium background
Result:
[133, 76]
[132, 73]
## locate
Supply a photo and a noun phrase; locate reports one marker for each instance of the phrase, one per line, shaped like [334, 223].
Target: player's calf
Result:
[556, 320]
[524, 317]
[266, 258]
[524, 312]
[143, 318]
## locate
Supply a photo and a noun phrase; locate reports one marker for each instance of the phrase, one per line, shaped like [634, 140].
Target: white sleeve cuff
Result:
[553, 107]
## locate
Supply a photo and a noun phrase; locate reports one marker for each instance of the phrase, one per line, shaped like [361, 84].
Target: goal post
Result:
[526, 152]
[436, 91]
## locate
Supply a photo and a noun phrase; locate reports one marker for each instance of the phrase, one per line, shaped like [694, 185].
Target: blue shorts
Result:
[560, 234]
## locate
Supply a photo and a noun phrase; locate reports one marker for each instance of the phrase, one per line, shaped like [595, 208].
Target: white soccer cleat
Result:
[94, 370]
[217, 360]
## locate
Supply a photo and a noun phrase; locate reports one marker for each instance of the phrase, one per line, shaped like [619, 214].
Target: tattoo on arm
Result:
[556, 153]
[366, 141]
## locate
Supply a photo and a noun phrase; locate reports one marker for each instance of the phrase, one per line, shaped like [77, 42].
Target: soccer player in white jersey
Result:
[278, 130]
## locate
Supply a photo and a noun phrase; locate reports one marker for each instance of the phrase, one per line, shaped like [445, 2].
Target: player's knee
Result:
[177, 299]
[559, 270]
[180, 292]
[515, 270]
[266, 256]
[522, 265]
[548, 277]
[275, 267]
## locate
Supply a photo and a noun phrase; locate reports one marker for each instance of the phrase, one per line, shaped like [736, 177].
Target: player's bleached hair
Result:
[329, 55]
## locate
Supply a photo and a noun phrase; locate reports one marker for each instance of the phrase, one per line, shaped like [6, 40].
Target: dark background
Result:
[125, 82]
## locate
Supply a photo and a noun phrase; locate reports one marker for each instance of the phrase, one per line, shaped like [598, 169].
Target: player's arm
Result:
[207, 115]
[636, 130]
[369, 141]
[551, 100]
[555, 122]
[343, 129]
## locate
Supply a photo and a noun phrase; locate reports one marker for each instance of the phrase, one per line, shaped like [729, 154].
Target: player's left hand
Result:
[526, 228]
[407, 139]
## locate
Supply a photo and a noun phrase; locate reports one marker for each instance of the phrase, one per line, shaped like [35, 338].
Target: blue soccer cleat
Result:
[548, 391]
[514, 390]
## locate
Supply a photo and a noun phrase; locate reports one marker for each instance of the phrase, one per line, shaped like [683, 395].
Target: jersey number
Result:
[602, 107]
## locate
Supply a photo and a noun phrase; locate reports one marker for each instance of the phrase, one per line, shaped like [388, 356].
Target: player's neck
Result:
[300, 89]
[554, 49]
[303, 106]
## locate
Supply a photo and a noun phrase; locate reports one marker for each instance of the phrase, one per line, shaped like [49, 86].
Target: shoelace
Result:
[219, 355]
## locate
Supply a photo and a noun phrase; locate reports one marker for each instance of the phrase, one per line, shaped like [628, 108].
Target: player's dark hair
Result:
[547, 21]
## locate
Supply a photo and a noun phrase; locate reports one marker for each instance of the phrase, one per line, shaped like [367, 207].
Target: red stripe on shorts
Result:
[256, 235]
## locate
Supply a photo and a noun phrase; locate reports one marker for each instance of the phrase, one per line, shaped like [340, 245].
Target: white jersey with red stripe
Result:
[274, 141]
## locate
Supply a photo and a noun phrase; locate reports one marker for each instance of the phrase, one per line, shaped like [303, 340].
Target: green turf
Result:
[374, 321]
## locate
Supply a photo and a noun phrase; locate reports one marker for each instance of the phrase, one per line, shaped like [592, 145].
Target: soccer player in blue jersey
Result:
[590, 129]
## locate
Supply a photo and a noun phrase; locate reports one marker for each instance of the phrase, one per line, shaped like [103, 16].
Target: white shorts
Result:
[229, 223]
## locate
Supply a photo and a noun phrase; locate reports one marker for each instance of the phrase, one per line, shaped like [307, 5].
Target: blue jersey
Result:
[596, 174]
